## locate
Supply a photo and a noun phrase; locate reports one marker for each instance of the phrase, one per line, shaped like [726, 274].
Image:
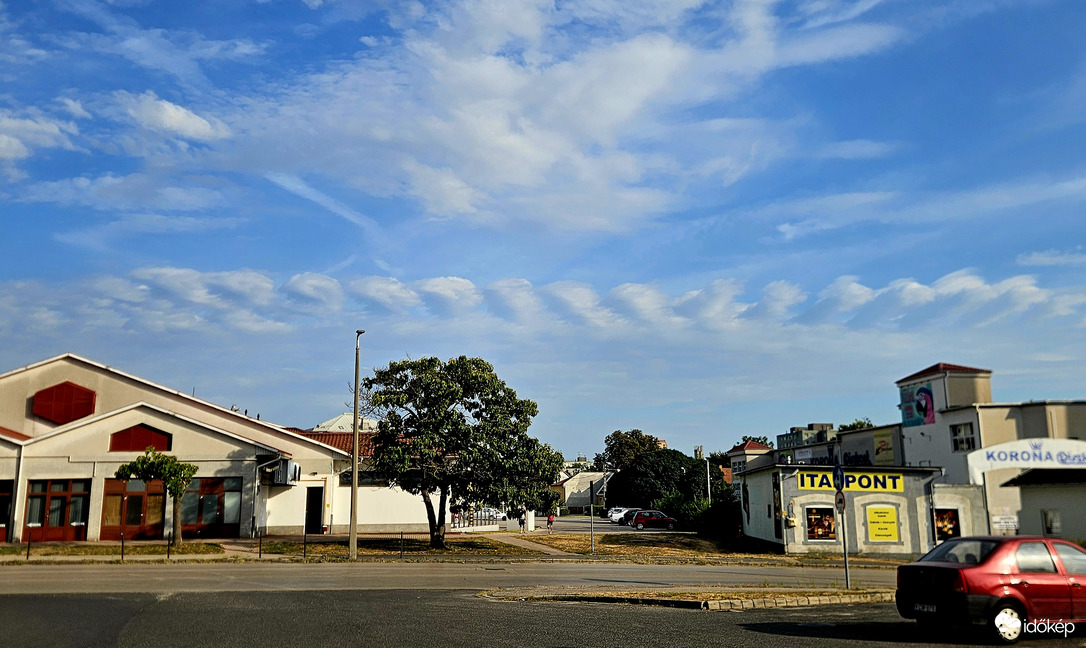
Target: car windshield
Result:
[967, 551]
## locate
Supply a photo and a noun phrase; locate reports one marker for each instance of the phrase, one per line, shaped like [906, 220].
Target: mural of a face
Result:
[925, 404]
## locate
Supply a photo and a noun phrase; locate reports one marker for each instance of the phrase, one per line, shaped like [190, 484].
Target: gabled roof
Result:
[748, 445]
[83, 422]
[271, 427]
[942, 368]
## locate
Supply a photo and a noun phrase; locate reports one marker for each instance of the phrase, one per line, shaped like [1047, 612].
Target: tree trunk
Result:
[437, 531]
[176, 521]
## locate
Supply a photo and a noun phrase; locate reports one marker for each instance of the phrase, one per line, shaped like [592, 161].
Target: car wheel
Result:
[640, 526]
[1007, 622]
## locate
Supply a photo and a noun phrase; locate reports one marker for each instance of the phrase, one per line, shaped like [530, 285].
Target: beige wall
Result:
[115, 391]
[967, 389]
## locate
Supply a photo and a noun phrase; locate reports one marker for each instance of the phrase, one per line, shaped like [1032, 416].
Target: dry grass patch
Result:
[188, 548]
[392, 547]
[679, 545]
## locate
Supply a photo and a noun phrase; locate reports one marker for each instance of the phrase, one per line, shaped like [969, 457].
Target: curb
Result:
[725, 605]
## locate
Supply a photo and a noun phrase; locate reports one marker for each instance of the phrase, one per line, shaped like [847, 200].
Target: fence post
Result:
[169, 543]
[122, 546]
[29, 541]
[260, 535]
[305, 543]
[401, 544]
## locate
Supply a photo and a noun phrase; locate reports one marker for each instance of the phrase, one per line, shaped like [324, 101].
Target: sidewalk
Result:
[524, 541]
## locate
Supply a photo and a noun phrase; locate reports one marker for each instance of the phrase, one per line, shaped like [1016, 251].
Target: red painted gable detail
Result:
[64, 403]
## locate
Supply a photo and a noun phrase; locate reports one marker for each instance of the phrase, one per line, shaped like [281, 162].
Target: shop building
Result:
[68, 423]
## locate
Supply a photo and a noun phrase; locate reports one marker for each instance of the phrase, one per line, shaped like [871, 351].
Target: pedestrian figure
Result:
[550, 523]
[522, 519]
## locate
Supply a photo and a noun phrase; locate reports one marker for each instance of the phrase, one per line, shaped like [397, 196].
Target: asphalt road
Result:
[255, 577]
[408, 618]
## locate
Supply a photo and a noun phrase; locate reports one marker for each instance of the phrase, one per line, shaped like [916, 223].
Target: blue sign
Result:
[838, 477]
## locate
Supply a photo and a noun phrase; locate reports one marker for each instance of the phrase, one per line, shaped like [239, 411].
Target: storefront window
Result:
[821, 524]
[947, 525]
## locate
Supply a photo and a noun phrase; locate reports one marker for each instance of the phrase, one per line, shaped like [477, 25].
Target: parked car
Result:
[627, 516]
[1010, 584]
[652, 519]
[615, 514]
[490, 514]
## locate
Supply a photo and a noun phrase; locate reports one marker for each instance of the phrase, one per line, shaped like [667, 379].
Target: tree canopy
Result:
[621, 449]
[456, 430]
[175, 477]
[858, 424]
[656, 475]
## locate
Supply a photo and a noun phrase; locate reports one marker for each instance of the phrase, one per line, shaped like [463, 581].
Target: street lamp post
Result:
[353, 542]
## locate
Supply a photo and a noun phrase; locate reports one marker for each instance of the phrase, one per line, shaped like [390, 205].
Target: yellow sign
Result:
[882, 524]
[884, 447]
[854, 481]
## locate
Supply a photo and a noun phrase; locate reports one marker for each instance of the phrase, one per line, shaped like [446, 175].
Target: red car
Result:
[1011, 585]
[645, 519]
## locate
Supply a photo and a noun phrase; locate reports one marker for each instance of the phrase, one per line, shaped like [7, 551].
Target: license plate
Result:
[924, 607]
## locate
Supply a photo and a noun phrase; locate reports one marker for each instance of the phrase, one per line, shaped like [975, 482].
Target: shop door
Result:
[56, 510]
[211, 508]
[314, 509]
[135, 508]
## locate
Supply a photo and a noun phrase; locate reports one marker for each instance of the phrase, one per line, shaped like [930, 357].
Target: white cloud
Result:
[857, 150]
[580, 301]
[160, 115]
[1052, 258]
[386, 291]
[132, 192]
[449, 295]
[515, 300]
[316, 289]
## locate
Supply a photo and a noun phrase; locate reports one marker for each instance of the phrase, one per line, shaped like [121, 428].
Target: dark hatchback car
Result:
[652, 519]
[1009, 584]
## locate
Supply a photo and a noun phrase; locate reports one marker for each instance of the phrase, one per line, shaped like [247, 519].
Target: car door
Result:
[1046, 590]
[1073, 560]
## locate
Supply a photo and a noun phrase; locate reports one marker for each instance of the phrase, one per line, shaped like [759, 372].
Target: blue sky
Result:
[701, 219]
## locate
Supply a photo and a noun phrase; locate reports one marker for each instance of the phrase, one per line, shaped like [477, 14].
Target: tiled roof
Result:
[749, 445]
[943, 367]
[12, 434]
[343, 441]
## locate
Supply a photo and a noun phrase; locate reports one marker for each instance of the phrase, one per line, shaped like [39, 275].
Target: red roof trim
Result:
[343, 441]
[943, 367]
[12, 434]
[749, 445]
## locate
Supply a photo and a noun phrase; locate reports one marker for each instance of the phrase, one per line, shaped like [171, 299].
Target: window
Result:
[947, 525]
[739, 466]
[1074, 559]
[962, 438]
[967, 551]
[1051, 520]
[212, 503]
[1033, 557]
[821, 524]
[138, 438]
[63, 403]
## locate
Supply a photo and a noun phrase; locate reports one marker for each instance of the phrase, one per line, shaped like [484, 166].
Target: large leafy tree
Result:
[621, 449]
[764, 440]
[175, 476]
[657, 475]
[456, 431]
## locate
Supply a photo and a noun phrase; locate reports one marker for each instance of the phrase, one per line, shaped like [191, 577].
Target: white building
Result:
[67, 423]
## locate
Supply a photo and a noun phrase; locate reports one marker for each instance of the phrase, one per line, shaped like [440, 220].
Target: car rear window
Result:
[966, 551]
